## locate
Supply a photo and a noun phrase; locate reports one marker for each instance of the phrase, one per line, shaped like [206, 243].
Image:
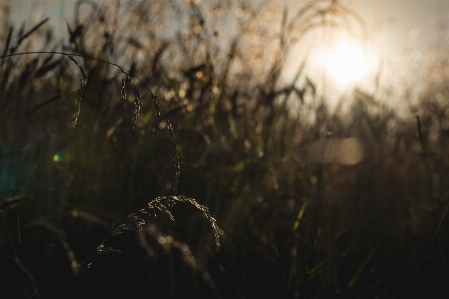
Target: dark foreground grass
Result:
[312, 203]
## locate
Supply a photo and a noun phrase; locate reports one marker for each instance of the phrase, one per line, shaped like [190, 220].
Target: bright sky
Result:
[404, 29]
[402, 32]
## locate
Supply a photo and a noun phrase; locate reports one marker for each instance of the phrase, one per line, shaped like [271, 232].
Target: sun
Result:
[347, 62]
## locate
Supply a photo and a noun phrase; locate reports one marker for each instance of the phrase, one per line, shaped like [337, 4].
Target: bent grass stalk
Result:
[137, 103]
[136, 221]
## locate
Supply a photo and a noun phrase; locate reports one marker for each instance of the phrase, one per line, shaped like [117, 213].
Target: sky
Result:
[404, 26]
[401, 31]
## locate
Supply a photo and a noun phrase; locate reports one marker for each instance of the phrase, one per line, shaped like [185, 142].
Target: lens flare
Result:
[57, 158]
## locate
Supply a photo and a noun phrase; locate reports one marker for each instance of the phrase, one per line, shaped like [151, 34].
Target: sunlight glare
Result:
[347, 63]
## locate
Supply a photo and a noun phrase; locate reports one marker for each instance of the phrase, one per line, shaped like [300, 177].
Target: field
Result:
[154, 152]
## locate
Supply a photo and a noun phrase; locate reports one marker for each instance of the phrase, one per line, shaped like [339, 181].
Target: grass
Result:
[79, 164]
[136, 220]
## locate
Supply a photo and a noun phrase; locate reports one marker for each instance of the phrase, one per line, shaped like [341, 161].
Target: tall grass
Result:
[316, 203]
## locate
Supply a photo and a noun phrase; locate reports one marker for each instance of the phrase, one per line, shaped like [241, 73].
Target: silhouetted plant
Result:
[311, 201]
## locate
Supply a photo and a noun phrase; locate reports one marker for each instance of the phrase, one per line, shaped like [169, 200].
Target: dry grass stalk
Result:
[136, 221]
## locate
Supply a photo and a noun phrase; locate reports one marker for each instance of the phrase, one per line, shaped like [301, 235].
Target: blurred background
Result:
[315, 132]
